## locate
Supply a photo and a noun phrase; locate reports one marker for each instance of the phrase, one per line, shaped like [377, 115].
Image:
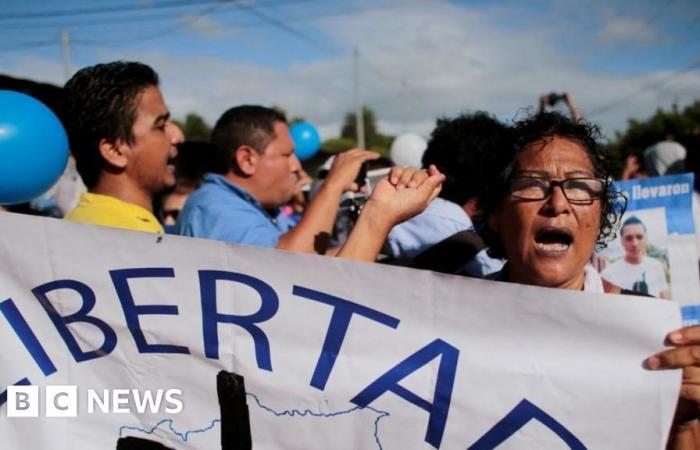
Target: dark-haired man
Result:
[442, 237]
[123, 142]
[242, 206]
[637, 271]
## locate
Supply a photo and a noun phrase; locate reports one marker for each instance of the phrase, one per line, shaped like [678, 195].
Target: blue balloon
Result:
[306, 140]
[33, 148]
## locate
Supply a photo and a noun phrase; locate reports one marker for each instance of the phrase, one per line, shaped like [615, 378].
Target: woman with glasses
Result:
[548, 205]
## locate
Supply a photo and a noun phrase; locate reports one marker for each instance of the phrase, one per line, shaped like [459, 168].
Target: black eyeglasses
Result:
[579, 191]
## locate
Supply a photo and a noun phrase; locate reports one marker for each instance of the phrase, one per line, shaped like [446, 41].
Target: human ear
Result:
[247, 159]
[114, 152]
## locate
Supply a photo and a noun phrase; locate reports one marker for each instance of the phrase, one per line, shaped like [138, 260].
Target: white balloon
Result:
[407, 150]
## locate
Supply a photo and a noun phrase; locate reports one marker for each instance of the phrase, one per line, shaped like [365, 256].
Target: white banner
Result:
[335, 354]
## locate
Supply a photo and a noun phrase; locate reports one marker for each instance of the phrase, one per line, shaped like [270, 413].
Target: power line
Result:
[105, 9]
[326, 49]
[163, 32]
[121, 40]
[351, 11]
[277, 23]
[174, 14]
[655, 85]
[160, 17]
[403, 83]
[283, 26]
[418, 97]
[99, 22]
[251, 10]
[130, 18]
[172, 4]
[29, 44]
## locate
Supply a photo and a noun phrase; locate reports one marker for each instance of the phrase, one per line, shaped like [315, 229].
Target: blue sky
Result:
[419, 58]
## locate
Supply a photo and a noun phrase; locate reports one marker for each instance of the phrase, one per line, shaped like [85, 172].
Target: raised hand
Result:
[685, 355]
[403, 194]
[406, 192]
[345, 168]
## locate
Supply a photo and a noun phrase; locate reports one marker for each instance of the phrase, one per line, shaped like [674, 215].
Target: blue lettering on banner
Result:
[337, 328]
[27, 336]
[342, 314]
[29, 340]
[516, 419]
[443, 386]
[61, 323]
[211, 318]
[674, 193]
[120, 278]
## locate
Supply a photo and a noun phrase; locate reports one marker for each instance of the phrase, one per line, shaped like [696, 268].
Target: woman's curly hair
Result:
[542, 128]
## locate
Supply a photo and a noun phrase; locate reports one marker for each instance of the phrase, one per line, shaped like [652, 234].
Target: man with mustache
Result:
[243, 205]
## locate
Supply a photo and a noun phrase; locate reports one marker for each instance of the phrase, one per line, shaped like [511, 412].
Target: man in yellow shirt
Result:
[108, 211]
[123, 142]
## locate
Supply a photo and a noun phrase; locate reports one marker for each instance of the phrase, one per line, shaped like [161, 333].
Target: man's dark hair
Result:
[542, 128]
[101, 103]
[249, 125]
[632, 220]
[460, 148]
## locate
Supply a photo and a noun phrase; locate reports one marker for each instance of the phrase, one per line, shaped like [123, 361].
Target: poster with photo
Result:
[655, 251]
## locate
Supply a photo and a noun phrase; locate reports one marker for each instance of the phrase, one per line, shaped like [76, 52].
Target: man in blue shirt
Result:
[243, 205]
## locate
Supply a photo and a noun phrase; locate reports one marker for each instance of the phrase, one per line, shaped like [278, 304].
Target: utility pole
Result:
[402, 105]
[359, 110]
[65, 51]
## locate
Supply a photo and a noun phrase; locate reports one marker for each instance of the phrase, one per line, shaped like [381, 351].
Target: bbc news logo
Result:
[63, 401]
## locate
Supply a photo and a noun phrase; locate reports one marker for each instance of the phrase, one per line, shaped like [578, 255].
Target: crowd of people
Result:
[524, 203]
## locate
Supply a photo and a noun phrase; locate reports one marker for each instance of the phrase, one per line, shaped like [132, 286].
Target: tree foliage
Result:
[338, 145]
[641, 134]
[195, 128]
[291, 121]
[374, 140]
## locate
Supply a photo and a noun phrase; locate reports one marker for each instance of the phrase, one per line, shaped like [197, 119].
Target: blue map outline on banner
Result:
[291, 413]
[182, 436]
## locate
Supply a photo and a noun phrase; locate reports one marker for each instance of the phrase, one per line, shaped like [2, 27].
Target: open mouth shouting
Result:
[553, 241]
[170, 163]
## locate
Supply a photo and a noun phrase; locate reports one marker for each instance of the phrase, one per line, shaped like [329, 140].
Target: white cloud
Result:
[626, 30]
[204, 26]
